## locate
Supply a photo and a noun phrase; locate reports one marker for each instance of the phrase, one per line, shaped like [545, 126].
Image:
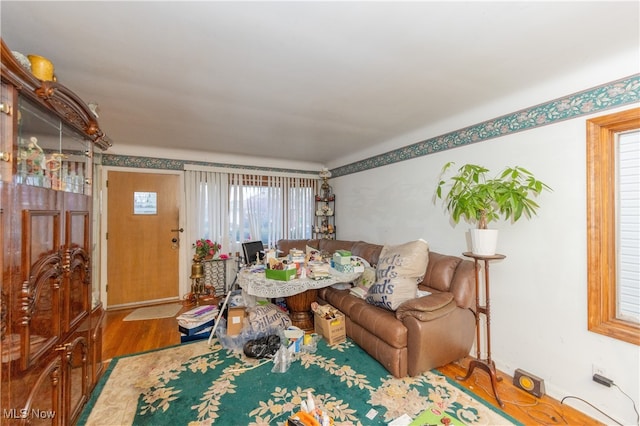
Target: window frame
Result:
[601, 225]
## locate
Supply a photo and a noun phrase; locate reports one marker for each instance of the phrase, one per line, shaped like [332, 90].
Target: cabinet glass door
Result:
[75, 165]
[51, 155]
[38, 141]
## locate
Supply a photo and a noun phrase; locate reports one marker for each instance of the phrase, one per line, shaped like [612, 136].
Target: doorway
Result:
[142, 238]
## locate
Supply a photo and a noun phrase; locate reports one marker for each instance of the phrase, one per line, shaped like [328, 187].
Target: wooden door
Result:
[142, 260]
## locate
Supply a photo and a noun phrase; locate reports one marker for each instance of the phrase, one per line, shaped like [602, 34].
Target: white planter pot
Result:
[483, 241]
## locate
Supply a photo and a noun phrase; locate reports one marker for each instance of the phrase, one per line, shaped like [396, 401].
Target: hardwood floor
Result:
[128, 337]
[519, 404]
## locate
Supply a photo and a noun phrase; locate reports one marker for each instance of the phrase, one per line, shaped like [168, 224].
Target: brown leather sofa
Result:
[423, 333]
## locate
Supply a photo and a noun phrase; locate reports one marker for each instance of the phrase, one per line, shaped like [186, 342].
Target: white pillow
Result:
[400, 269]
[313, 254]
[367, 279]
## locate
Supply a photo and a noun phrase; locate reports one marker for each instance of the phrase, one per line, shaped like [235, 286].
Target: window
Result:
[613, 225]
[269, 208]
[232, 208]
[256, 209]
[628, 226]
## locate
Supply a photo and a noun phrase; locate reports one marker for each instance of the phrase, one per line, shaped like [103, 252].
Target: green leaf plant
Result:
[474, 196]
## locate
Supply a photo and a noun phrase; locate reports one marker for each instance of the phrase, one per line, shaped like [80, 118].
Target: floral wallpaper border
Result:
[169, 164]
[610, 95]
[607, 96]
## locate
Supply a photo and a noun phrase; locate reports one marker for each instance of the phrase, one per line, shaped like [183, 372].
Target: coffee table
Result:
[299, 293]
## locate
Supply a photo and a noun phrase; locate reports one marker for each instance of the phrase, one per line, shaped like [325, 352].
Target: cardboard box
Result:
[235, 320]
[341, 260]
[345, 269]
[280, 274]
[333, 330]
[349, 269]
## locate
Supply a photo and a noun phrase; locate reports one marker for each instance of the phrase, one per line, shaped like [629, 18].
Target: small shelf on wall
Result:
[324, 226]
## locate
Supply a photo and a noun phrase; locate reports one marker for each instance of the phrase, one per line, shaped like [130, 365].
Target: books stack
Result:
[358, 292]
[319, 271]
[296, 256]
[197, 323]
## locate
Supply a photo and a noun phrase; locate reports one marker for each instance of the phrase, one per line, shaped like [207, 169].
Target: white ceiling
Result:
[307, 81]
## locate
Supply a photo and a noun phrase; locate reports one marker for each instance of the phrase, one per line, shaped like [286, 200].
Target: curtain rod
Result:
[231, 170]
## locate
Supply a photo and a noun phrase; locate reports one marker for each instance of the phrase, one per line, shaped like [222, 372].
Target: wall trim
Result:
[173, 164]
[607, 96]
[617, 93]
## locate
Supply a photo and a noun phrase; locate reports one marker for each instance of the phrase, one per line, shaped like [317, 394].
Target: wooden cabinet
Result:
[51, 321]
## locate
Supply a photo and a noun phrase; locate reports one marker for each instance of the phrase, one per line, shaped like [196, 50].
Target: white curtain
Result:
[300, 193]
[257, 204]
[207, 212]
[271, 207]
[232, 208]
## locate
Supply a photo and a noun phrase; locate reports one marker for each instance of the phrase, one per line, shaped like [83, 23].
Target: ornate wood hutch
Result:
[51, 320]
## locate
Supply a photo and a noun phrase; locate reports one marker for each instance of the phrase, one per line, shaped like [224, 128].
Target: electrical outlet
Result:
[598, 369]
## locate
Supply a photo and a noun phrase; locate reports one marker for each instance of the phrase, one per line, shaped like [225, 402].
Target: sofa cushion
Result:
[427, 308]
[368, 251]
[339, 299]
[286, 245]
[379, 322]
[330, 246]
[400, 269]
[440, 271]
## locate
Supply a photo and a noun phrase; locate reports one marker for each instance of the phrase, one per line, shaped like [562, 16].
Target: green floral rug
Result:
[192, 384]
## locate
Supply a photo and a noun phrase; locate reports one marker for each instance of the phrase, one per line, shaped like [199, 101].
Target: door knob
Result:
[178, 230]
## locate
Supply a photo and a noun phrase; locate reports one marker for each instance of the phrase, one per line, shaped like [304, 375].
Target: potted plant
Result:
[205, 248]
[478, 198]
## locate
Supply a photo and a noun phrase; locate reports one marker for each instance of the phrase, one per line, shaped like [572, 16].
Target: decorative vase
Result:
[41, 67]
[197, 268]
[483, 241]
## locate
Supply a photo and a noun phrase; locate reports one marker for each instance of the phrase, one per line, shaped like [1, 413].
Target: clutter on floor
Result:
[196, 323]
[329, 323]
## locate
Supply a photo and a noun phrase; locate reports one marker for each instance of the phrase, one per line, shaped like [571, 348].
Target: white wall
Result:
[539, 292]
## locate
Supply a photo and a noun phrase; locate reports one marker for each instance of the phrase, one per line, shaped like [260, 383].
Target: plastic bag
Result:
[262, 347]
[282, 360]
[310, 343]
